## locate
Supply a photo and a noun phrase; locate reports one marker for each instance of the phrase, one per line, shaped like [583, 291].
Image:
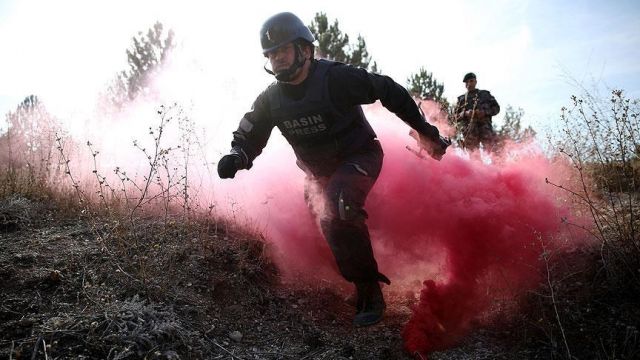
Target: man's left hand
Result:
[474, 114]
[435, 148]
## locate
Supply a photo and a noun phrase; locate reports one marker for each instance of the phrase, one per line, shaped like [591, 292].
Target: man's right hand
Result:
[229, 165]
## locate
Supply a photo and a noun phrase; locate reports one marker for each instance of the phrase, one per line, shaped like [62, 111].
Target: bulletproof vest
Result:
[319, 133]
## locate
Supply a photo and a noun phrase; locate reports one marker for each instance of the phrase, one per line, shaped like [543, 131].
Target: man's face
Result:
[282, 58]
[471, 84]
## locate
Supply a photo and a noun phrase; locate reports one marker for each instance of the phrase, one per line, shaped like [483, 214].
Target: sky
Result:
[529, 54]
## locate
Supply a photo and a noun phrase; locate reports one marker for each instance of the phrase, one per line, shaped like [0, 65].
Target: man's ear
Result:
[307, 52]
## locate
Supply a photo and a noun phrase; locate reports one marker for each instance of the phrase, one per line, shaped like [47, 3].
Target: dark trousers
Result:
[337, 201]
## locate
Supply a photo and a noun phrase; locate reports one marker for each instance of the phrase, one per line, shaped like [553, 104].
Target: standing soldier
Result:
[316, 106]
[473, 114]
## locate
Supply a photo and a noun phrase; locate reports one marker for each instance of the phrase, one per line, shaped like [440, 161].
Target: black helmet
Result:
[283, 28]
[468, 77]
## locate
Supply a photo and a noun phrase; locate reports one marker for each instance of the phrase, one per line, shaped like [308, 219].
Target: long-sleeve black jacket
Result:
[347, 86]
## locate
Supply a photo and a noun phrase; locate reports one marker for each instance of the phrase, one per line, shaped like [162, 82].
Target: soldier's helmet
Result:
[469, 76]
[281, 29]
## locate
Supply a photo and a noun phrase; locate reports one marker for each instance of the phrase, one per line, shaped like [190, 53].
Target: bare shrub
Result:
[27, 150]
[141, 207]
[588, 296]
[602, 141]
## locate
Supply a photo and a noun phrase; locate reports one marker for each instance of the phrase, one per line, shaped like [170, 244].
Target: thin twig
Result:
[546, 257]
[419, 356]
[313, 353]
[35, 348]
[223, 349]
[280, 355]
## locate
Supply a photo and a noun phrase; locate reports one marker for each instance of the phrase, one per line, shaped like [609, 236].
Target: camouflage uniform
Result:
[477, 128]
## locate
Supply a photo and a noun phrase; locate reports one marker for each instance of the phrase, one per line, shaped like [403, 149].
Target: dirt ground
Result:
[78, 287]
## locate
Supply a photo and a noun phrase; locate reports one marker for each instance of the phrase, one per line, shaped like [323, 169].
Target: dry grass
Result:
[588, 308]
[149, 243]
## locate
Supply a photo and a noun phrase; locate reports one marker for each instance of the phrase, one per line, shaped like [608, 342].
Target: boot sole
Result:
[367, 323]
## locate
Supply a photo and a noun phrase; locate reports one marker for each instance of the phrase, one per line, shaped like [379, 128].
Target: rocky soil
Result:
[88, 287]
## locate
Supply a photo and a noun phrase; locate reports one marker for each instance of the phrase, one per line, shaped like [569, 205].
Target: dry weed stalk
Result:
[601, 141]
[164, 189]
[603, 147]
[546, 256]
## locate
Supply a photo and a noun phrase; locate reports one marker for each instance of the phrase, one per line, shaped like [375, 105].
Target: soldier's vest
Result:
[479, 100]
[319, 133]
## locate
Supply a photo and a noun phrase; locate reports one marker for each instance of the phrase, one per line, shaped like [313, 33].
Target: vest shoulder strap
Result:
[316, 90]
[273, 94]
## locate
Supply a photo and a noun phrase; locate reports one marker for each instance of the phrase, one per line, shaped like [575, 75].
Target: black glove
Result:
[436, 148]
[441, 148]
[229, 165]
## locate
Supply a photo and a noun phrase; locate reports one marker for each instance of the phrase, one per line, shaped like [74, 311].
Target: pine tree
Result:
[333, 44]
[423, 85]
[359, 55]
[512, 127]
[146, 57]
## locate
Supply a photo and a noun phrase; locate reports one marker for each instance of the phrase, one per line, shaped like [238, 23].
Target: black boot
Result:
[370, 306]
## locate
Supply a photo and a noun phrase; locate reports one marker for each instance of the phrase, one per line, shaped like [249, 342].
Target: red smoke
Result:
[480, 219]
[461, 227]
